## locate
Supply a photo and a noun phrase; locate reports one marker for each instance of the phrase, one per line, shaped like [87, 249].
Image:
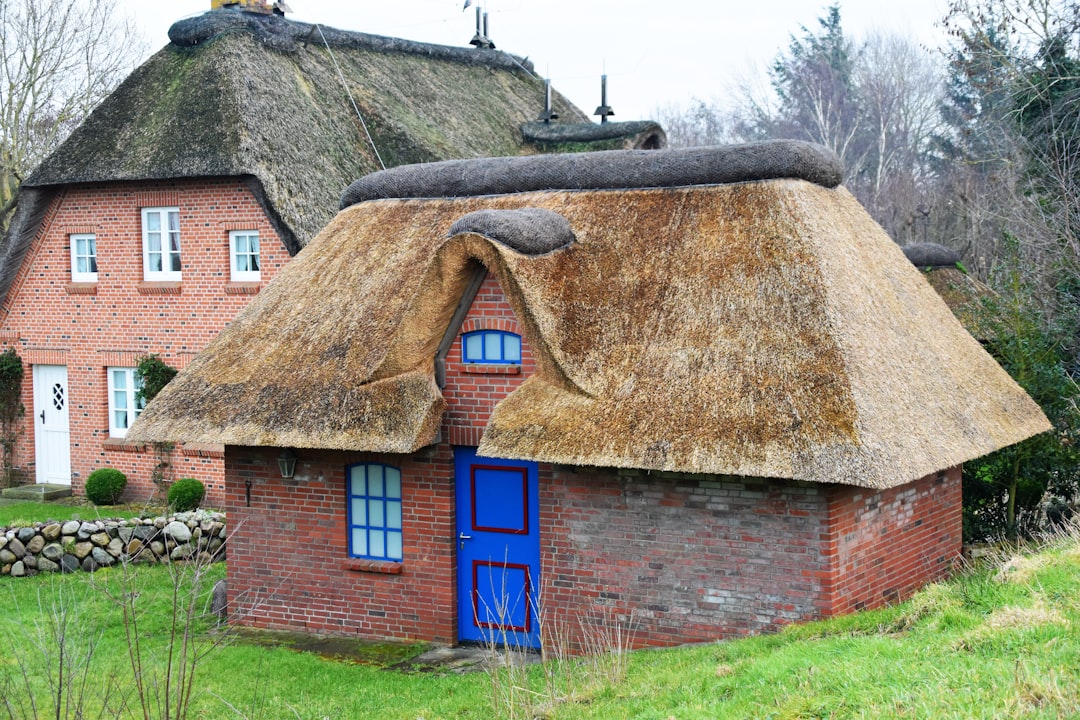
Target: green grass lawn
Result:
[989, 644]
[25, 512]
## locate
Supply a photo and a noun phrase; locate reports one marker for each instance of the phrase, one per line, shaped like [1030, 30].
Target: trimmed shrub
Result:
[104, 486]
[186, 494]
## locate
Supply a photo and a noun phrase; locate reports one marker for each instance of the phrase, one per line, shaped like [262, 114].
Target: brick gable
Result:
[91, 326]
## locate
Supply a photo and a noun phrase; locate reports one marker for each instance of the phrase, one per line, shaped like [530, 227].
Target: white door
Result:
[51, 441]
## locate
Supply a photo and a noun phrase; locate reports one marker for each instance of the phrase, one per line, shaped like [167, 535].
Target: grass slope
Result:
[997, 642]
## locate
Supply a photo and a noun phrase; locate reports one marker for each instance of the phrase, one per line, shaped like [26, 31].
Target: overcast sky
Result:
[656, 53]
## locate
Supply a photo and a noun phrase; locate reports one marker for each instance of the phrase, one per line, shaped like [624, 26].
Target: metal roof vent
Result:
[548, 115]
[604, 111]
[481, 39]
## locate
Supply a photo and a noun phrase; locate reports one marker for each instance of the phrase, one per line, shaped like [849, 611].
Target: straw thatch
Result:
[242, 94]
[965, 295]
[765, 328]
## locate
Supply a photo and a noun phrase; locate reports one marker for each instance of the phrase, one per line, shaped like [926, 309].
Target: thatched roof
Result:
[245, 94]
[964, 294]
[762, 328]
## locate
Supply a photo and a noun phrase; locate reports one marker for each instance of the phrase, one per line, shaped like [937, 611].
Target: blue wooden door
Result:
[498, 540]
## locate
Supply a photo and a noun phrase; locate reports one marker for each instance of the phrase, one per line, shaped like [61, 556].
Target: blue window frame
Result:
[374, 511]
[491, 346]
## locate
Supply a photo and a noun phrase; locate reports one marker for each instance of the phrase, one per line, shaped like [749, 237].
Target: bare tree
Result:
[900, 90]
[695, 125]
[58, 59]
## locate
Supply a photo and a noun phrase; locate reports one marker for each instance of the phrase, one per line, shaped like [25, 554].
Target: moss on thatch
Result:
[584, 137]
[231, 105]
[259, 97]
[762, 328]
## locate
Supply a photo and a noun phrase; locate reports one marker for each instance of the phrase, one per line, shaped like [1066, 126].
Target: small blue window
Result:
[491, 346]
[374, 511]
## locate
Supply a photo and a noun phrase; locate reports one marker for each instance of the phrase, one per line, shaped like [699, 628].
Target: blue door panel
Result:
[498, 519]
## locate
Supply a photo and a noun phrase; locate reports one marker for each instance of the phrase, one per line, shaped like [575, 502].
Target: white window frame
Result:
[167, 253]
[131, 409]
[91, 258]
[235, 274]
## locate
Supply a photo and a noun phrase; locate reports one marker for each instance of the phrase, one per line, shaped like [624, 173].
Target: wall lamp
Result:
[287, 463]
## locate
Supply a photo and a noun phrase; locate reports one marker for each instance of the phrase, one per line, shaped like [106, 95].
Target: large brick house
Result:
[190, 187]
[700, 392]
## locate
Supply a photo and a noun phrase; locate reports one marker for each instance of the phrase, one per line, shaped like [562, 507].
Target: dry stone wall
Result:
[80, 545]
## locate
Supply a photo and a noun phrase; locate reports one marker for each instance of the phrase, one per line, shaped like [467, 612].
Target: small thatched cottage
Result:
[193, 184]
[700, 392]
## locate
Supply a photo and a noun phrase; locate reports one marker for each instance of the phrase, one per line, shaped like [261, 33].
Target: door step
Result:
[41, 492]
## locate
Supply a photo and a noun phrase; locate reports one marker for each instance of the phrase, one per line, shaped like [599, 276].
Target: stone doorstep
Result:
[42, 492]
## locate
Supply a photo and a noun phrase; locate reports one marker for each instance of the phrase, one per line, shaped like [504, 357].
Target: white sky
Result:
[656, 53]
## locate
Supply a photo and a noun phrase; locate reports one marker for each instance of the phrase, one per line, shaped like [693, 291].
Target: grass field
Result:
[25, 512]
[998, 642]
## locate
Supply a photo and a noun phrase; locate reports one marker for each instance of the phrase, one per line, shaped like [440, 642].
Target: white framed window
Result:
[244, 255]
[83, 257]
[161, 243]
[123, 407]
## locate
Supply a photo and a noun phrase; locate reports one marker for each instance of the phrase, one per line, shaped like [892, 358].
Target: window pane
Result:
[155, 262]
[174, 222]
[93, 264]
[153, 221]
[375, 480]
[393, 483]
[375, 513]
[393, 515]
[474, 347]
[153, 242]
[512, 348]
[377, 546]
[242, 263]
[492, 346]
[359, 542]
[359, 512]
[119, 379]
[254, 240]
[359, 487]
[255, 260]
[393, 545]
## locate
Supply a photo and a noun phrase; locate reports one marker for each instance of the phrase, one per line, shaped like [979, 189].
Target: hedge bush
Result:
[105, 485]
[186, 494]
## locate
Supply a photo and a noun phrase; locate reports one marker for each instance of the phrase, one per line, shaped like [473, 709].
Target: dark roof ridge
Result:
[285, 35]
[609, 169]
[539, 131]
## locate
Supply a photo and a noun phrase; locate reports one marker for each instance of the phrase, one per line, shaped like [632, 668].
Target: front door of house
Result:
[498, 539]
[51, 435]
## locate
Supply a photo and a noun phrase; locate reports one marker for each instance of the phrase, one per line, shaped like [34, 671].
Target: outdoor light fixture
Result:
[287, 463]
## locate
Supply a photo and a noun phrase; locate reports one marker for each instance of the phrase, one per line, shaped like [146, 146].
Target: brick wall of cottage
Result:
[683, 559]
[289, 564]
[669, 559]
[472, 390]
[111, 323]
[888, 543]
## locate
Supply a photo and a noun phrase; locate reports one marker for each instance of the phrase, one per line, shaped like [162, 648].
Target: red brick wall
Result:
[289, 564]
[473, 390]
[673, 559]
[889, 543]
[120, 318]
[682, 560]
